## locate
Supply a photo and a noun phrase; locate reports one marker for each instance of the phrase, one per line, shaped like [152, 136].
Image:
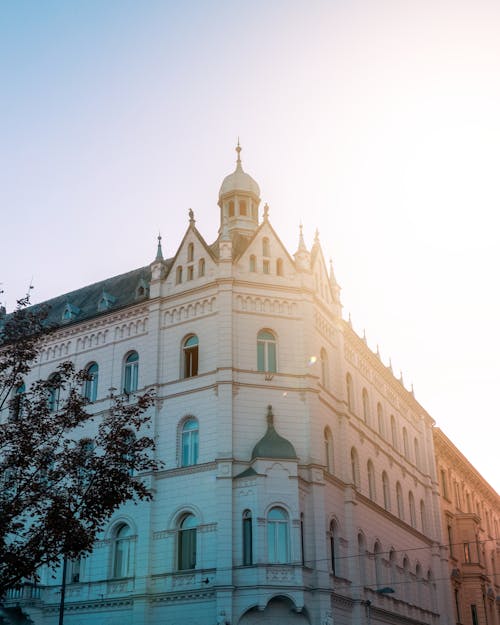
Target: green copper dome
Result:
[272, 445]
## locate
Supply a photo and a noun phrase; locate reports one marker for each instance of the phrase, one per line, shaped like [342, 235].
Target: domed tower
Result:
[239, 199]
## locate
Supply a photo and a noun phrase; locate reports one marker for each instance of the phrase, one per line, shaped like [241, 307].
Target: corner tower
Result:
[239, 199]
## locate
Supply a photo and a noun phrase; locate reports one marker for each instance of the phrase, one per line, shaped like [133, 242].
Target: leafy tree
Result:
[63, 471]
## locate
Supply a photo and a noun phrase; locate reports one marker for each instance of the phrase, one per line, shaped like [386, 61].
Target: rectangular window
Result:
[473, 610]
[187, 549]
[247, 541]
[466, 552]
[444, 485]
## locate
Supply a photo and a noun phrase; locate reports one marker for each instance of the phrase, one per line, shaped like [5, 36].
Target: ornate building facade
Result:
[299, 482]
[470, 517]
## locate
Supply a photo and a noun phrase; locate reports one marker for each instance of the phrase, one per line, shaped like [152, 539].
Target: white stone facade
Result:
[340, 535]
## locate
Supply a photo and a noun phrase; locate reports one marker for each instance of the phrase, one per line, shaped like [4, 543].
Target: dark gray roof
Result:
[124, 290]
[272, 445]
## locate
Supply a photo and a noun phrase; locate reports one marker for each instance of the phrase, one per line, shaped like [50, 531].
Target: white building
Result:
[299, 475]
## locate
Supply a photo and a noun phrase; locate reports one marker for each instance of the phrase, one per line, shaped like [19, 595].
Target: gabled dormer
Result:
[142, 289]
[105, 302]
[70, 312]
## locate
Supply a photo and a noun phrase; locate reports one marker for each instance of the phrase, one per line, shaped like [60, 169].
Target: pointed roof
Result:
[272, 445]
[239, 180]
[159, 251]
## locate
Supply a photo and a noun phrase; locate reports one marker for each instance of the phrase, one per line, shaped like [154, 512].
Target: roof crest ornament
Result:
[192, 220]
[266, 211]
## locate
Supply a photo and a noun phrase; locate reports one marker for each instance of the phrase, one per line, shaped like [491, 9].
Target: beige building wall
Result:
[470, 516]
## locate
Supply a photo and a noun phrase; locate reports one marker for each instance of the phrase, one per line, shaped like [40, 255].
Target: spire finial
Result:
[316, 236]
[191, 216]
[238, 150]
[270, 416]
[159, 252]
[302, 245]
[266, 211]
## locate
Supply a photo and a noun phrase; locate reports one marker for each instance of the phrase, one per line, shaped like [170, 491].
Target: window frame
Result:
[189, 442]
[190, 356]
[187, 538]
[278, 535]
[267, 351]
[131, 372]
[90, 386]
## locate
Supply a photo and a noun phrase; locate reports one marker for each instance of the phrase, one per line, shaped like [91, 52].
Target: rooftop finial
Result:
[316, 236]
[159, 252]
[270, 416]
[238, 150]
[266, 211]
[302, 245]
[191, 216]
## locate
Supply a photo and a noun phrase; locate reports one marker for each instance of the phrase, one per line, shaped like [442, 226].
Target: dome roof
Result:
[272, 445]
[239, 180]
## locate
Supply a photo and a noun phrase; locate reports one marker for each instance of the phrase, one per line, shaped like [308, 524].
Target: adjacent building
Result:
[299, 484]
[470, 517]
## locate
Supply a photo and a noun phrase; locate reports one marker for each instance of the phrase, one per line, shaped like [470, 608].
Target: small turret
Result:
[239, 199]
[302, 255]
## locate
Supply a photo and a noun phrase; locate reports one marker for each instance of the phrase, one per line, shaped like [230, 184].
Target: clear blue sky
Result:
[376, 122]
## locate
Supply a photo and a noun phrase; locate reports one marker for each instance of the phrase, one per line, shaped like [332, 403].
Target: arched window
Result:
[190, 253]
[423, 521]
[394, 433]
[131, 373]
[16, 403]
[371, 481]
[266, 351]
[393, 566]
[279, 267]
[253, 264]
[419, 580]
[90, 384]
[355, 467]
[334, 547]
[377, 552]
[190, 355]
[324, 367]
[387, 492]
[129, 456]
[243, 207]
[189, 443]
[413, 512]
[186, 543]
[178, 274]
[406, 447]
[231, 209]
[380, 419]
[201, 268]
[265, 247]
[366, 406]
[278, 548]
[349, 389]
[329, 450]
[399, 499]
[247, 538]
[417, 452]
[362, 558]
[123, 564]
[54, 391]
